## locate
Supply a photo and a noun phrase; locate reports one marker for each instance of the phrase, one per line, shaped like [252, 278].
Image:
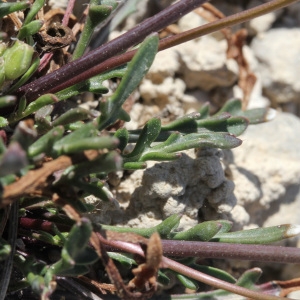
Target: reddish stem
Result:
[51, 83]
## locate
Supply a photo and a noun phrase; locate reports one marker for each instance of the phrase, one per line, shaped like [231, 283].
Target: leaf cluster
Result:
[51, 158]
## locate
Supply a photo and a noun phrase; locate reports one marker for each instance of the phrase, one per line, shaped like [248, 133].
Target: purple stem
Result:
[68, 73]
[263, 253]
[68, 12]
[189, 272]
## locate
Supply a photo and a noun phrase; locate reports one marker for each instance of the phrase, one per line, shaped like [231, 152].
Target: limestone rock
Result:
[266, 171]
[278, 53]
[204, 64]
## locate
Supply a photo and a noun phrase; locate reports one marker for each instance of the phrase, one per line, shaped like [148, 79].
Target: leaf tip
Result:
[292, 230]
[271, 114]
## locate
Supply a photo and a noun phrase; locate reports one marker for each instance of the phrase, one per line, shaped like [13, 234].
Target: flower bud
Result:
[17, 60]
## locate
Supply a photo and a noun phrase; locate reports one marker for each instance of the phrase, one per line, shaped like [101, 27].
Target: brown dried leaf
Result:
[145, 274]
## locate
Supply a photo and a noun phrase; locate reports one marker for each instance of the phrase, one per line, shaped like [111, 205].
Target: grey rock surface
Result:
[277, 51]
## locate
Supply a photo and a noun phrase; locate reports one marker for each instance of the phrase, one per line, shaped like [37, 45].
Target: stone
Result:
[266, 171]
[278, 53]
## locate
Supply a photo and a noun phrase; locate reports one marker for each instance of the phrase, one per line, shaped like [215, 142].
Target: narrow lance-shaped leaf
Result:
[185, 124]
[122, 135]
[124, 260]
[45, 143]
[255, 116]
[36, 6]
[30, 29]
[259, 235]
[77, 243]
[215, 272]
[32, 107]
[224, 122]
[93, 84]
[176, 142]
[8, 8]
[201, 232]
[147, 137]
[105, 163]
[72, 115]
[137, 68]
[87, 130]
[104, 142]
[164, 228]
[96, 14]
[187, 282]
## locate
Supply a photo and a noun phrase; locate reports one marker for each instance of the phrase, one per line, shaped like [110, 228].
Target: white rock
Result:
[262, 23]
[204, 64]
[278, 53]
[266, 171]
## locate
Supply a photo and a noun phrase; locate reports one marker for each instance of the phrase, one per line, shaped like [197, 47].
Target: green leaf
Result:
[87, 130]
[176, 142]
[8, 8]
[224, 122]
[36, 6]
[254, 116]
[123, 259]
[122, 135]
[137, 68]
[105, 163]
[165, 227]
[77, 243]
[185, 124]
[3, 122]
[39, 103]
[249, 278]
[94, 84]
[215, 272]
[96, 143]
[146, 138]
[187, 282]
[259, 235]
[45, 143]
[31, 70]
[201, 232]
[30, 29]
[71, 116]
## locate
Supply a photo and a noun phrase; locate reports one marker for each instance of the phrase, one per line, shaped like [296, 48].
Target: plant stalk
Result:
[189, 272]
[69, 72]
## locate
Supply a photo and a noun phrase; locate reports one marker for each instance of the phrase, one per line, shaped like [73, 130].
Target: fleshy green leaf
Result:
[259, 235]
[201, 232]
[137, 68]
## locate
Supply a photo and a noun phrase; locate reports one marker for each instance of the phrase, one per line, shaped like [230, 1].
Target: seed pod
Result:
[17, 60]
